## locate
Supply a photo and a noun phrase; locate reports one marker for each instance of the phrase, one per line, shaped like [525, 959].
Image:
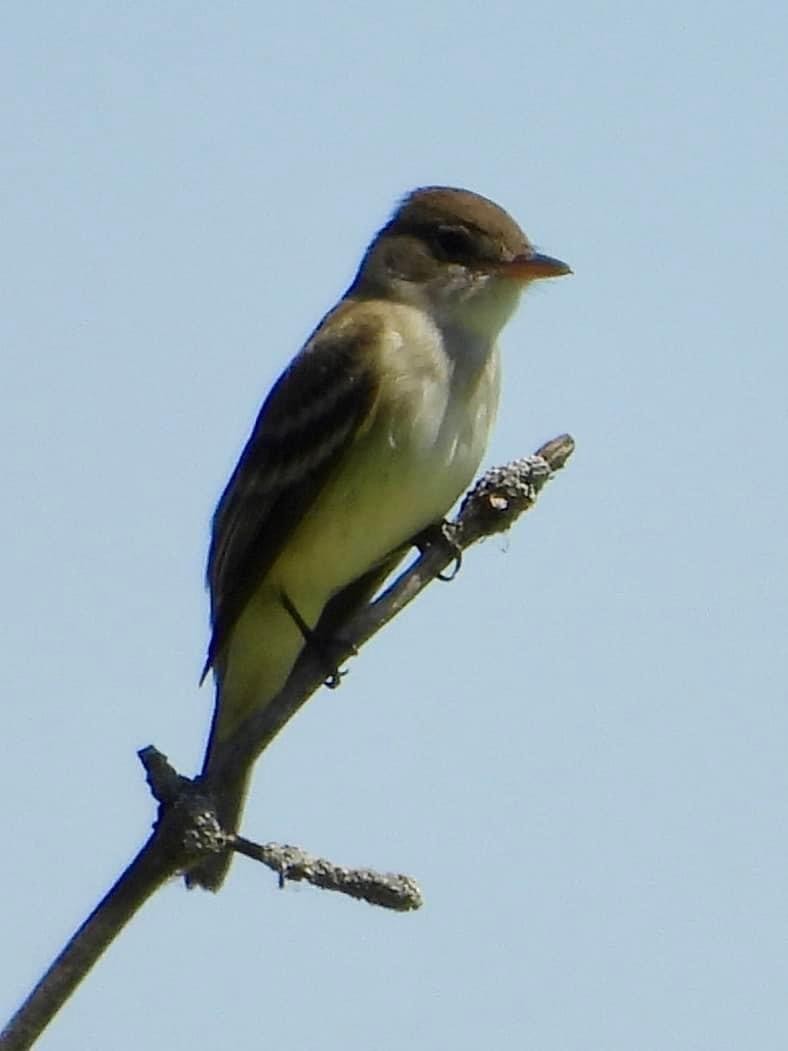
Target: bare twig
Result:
[143, 876]
[389, 890]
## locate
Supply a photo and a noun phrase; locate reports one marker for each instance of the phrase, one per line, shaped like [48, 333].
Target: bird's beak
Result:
[534, 266]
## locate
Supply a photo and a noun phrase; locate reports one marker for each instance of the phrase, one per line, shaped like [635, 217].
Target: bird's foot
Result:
[329, 650]
[441, 533]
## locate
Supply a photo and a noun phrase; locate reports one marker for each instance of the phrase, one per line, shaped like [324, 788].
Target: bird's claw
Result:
[441, 533]
[320, 645]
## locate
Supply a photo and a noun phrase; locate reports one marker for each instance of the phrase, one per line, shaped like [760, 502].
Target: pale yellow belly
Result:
[398, 479]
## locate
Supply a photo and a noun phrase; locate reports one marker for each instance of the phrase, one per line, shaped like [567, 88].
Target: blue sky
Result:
[578, 747]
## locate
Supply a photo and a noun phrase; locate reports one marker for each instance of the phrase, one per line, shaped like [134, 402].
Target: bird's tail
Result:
[229, 793]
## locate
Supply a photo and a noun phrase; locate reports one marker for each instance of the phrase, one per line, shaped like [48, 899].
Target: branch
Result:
[187, 828]
[389, 890]
[197, 832]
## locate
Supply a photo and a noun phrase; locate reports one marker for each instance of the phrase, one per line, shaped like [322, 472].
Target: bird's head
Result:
[456, 254]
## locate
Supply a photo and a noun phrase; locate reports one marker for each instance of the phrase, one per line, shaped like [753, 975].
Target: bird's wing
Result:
[307, 422]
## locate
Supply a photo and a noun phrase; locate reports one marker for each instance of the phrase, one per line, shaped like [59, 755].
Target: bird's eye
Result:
[453, 243]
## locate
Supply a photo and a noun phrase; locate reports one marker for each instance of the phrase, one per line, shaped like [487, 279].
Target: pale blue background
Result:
[579, 747]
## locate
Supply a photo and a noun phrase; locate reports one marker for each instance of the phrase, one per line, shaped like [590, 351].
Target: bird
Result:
[366, 440]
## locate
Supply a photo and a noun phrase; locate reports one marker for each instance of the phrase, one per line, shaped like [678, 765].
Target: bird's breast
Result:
[416, 453]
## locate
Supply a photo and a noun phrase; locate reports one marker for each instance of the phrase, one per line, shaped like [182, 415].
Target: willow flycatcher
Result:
[369, 436]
